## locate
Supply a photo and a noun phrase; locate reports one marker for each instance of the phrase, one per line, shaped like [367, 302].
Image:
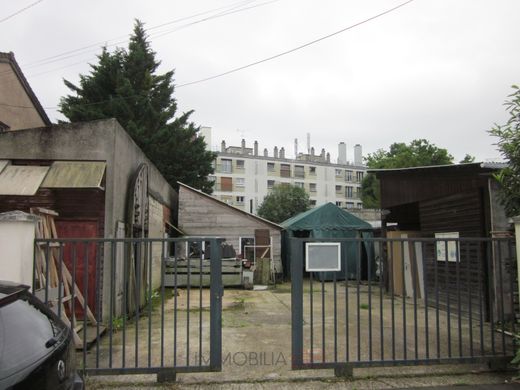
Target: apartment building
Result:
[243, 176]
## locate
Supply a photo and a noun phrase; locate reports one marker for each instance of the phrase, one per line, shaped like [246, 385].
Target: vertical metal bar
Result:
[296, 267]
[392, 296]
[138, 256]
[404, 292]
[188, 288]
[470, 308]
[382, 274]
[458, 257]
[126, 271]
[480, 287]
[200, 308]
[60, 280]
[489, 248]
[216, 306]
[323, 318]
[500, 300]
[369, 277]
[344, 251]
[447, 289]
[358, 297]
[335, 319]
[148, 249]
[47, 272]
[113, 251]
[512, 273]
[311, 299]
[73, 287]
[163, 296]
[99, 309]
[86, 300]
[414, 264]
[35, 265]
[426, 307]
[175, 312]
[437, 320]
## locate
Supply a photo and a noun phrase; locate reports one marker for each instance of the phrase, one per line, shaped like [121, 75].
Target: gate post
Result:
[296, 260]
[215, 327]
[516, 220]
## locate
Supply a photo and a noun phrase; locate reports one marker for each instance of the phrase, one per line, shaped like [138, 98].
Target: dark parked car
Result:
[36, 347]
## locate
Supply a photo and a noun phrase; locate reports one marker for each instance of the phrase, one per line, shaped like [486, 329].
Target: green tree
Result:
[125, 85]
[467, 159]
[509, 146]
[418, 153]
[284, 202]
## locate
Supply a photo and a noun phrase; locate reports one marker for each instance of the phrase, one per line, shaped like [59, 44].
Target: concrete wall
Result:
[201, 215]
[13, 93]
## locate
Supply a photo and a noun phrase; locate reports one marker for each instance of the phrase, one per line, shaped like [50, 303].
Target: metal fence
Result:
[405, 302]
[125, 321]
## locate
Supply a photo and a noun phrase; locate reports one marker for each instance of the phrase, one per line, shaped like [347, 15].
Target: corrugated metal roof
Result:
[75, 174]
[21, 179]
[3, 164]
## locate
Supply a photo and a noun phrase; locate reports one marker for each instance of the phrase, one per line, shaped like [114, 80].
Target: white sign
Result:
[445, 244]
[322, 256]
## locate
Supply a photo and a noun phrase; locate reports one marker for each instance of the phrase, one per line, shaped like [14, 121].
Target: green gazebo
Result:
[330, 221]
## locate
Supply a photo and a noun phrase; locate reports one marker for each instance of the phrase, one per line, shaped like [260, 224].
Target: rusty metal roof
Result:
[21, 179]
[75, 174]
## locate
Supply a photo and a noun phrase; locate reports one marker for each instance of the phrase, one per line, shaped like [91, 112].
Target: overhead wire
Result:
[322, 38]
[20, 11]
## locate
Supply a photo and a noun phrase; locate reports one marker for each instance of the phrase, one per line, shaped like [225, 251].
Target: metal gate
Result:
[132, 323]
[402, 301]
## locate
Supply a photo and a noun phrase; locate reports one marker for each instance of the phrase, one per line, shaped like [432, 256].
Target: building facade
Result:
[243, 177]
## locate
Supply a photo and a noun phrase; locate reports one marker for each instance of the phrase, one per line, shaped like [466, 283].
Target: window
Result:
[359, 205]
[212, 178]
[270, 184]
[285, 170]
[312, 187]
[339, 172]
[338, 189]
[358, 192]
[312, 170]
[350, 205]
[299, 171]
[313, 202]
[240, 182]
[348, 175]
[359, 176]
[240, 199]
[240, 164]
[270, 167]
[338, 203]
[226, 166]
[299, 184]
[349, 192]
[226, 184]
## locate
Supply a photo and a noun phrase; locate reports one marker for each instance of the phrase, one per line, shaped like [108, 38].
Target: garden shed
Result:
[330, 221]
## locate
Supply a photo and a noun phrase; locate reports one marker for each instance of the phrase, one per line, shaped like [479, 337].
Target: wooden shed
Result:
[451, 201]
[202, 215]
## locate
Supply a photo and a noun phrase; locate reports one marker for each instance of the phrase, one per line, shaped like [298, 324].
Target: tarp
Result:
[330, 221]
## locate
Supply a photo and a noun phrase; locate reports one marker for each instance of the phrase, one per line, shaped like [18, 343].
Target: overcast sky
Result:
[434, 69]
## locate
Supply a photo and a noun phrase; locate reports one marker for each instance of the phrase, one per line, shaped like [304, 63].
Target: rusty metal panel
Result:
[21, 179]
[75, 174]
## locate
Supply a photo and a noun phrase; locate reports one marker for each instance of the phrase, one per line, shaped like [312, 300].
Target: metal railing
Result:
[124, 320]
[400, 302]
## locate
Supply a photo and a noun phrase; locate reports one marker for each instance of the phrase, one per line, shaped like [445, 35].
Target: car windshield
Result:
[24, 332]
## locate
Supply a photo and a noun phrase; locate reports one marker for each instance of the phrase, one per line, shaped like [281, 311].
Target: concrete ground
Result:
[256, 343]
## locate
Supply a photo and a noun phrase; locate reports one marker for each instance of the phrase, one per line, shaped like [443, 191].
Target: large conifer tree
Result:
[124, 85]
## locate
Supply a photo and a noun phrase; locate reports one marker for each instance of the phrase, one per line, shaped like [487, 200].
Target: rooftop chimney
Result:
[223, 146]
[266, 153]
[276, 152]
[328, 157]
[309, 143]
[295, 147]
[312, 151]
[282, 152]
[342, 153]
[358, 155]
[256, 148]
[322, 154]
[243, 146]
